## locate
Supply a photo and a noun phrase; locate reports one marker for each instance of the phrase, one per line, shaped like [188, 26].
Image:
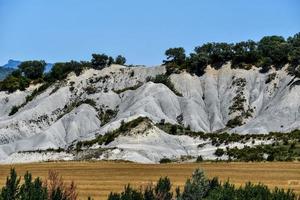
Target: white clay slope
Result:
[50, 120]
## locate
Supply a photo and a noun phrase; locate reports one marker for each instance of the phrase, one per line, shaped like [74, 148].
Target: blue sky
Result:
[61, 30]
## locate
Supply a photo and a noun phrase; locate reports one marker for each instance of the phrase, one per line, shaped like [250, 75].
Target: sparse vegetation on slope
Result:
[164, 79]
[285, 147]
[128, 88]
[29, 98]
[107, 115]
[110, 136]
[225, 138]
[75, 104]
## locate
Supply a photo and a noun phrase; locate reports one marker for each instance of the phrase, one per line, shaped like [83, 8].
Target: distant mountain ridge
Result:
[12, 64]
[4, 71]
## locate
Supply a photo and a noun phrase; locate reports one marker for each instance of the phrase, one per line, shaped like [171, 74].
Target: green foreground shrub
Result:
[53, 188]
[199, 187]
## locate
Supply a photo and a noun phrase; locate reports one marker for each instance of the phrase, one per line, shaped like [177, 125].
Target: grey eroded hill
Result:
[99, 101]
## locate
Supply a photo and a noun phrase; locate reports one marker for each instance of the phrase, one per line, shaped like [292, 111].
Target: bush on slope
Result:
[110, 136]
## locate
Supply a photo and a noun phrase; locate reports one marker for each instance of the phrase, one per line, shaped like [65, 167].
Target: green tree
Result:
[197, 63]
[274, 47]
[32, 69]
[16, 73]
[294, 43]
[32, 190]
[110, 61]
[197, 187]
[58, 71]
[58, 194]
[149, 193]
[12, 83]
[225, 192]
[114, 196]
[26, 190]
[218, 53]
[100, 61]
[175, 55]
[219, 152]
[245, 53]
[294, 54]
[61, 70]
[265, 64]
[11, 190]
[120, 60]
[163, 189]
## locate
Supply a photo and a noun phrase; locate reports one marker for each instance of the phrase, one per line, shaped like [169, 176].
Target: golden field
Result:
[97, 179]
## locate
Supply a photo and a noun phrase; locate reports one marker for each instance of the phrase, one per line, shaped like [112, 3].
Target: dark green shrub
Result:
[100, 61]
[237, 121]
[163, 189]
[270, 78]
[120, 60]
[128, 88]
[197, 187]
[164, 79]
[110, 136]
[32, 69]
[175, 55]
[90, 90]
[165, 160]
[11, 190]
[219, 152]
[13, 110]
[199, 159]
[13, 83]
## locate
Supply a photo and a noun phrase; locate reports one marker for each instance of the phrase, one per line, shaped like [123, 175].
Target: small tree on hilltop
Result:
[32, 69]
[175, 55]
[120, 60]
[99, 61]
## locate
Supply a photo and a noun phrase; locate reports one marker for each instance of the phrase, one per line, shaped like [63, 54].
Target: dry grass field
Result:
[97, 179]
